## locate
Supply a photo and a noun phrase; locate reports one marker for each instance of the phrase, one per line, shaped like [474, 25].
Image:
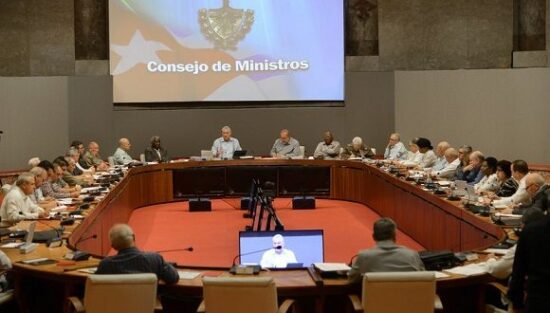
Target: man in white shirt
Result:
[279, 256]
[121, 155]
[225, 146]
[520, 169]
[17, 204]
[441, 161]
[452, 162]
[396, 149]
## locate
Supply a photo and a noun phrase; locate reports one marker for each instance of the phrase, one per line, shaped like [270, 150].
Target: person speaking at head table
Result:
[225, 146]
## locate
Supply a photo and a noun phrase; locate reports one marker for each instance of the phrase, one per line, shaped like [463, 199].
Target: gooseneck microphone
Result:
[352, 259]
[190, 249]
[254, 252]
[80, 255]
[57, 240]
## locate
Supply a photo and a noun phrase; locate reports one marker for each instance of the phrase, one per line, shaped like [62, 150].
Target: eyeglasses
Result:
[529, 186]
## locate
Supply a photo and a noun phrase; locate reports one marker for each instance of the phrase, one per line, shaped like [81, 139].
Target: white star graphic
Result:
[137, 51]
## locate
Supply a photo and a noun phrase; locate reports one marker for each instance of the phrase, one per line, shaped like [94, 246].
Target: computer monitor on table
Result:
[281, 249]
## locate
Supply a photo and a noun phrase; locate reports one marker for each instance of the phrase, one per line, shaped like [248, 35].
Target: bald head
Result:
[441, 148]
[121, 237]
[451, 154]
[533, 182]
[476, 158]
[124, 144]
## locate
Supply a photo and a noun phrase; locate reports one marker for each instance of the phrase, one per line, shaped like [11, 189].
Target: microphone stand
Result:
[80, 255]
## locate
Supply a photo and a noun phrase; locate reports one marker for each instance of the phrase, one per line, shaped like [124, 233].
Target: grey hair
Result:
[26, 177]
[226, 128]
[72, 152]
[33, 162]
[357, 141]
[37, 171]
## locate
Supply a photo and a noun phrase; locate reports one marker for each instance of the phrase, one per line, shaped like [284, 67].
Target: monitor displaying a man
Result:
[281, 249]
[278, 256]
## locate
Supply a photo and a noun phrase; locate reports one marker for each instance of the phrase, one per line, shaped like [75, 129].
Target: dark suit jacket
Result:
[152, 156]
[540, 200]
[531, 264]
[133, 261]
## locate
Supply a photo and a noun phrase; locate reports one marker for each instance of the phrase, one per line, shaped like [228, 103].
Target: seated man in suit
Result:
[156, 153]
[539, 193]
[386, 256]
[285, 146]
[130, 260]
[356, 149]
[121, 155]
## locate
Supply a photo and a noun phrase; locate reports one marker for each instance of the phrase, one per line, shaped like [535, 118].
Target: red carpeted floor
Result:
[214, 235]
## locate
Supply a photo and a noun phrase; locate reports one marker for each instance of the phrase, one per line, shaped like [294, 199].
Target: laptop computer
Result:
[238, 154]
[206, 155]
[460, 188]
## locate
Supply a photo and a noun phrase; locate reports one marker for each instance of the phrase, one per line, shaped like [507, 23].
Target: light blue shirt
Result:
[225, 148]
[396, 152]
[122, 157]
[440, 164]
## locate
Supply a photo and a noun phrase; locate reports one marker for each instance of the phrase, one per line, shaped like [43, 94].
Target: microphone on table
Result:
[189, 249]
[77, 255]
[352, 259]
[249, 269]
[57, 240]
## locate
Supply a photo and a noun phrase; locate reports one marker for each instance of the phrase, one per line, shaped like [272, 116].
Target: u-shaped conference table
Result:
[434, 222]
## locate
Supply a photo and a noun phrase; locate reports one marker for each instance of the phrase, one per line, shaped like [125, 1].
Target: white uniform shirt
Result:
[449, 171]
[521, 196]
[272, 259]
[18, 206]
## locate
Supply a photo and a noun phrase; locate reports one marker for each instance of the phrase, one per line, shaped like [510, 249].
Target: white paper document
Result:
[332, 267]
[469, 270]
[188, 275]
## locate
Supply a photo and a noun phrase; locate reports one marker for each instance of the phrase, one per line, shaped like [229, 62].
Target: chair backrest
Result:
[239, 294]
[397, 292]
[111, 160]
[302, 151]
[136, 293]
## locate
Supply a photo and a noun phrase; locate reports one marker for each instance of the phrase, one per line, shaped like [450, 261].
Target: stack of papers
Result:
[61, 208]
[468, 270]
[332, 267]
[89, 189]
[188, 275]
[496, 251]
[65, 201]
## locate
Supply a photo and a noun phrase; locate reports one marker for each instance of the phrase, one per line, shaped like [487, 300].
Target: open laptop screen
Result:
[281, 249]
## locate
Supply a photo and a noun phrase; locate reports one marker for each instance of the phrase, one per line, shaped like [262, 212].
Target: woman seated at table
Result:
[413, 156]
[508, 185]
[489, 182]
